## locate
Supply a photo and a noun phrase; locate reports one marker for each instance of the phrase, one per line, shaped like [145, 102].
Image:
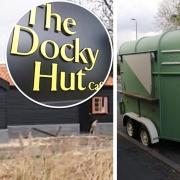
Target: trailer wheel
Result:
[144, 136]
[131, 128]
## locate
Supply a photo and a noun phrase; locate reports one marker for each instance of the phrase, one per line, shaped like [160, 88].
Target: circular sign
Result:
[59, 54]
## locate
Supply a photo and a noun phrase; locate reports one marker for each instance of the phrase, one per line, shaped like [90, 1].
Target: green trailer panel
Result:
[163, 105]
[170, 107]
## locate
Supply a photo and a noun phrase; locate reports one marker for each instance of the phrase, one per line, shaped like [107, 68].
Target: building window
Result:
[100, 105]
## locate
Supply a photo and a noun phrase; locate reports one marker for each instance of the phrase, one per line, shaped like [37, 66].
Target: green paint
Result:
[166, 83]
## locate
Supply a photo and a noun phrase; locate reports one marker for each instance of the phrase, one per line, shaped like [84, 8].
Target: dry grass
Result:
[62, 158]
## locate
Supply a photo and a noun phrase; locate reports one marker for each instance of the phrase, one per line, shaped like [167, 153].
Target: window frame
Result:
[103, 105]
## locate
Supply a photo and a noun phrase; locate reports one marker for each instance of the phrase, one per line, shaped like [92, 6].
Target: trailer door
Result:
[170, 106]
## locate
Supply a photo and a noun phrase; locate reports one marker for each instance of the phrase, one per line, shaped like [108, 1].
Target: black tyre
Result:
[144, 136]
[131, 128]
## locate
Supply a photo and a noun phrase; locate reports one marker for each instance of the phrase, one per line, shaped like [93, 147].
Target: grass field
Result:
[61, 158]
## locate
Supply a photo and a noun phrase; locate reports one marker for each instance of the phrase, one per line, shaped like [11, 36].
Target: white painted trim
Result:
[171, 51]
[171, 63]
[147, 123]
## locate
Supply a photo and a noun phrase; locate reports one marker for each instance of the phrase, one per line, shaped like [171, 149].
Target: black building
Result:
[15, 109]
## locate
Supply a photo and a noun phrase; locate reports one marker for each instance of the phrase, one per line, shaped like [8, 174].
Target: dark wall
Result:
[15, 109]
[22, 111]
[85, 109]
[4, 84]
[2, 108]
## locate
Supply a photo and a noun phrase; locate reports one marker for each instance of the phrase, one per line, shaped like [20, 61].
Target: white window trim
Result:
[102, 106]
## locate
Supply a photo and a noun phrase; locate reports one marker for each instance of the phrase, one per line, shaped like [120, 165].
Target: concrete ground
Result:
[134, 163]
[50, 130]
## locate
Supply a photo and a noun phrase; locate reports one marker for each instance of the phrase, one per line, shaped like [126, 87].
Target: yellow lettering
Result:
[32, 18]
[54, 46]
[69, 22]
[92, 57]
[90, 86]
[15, 41]
[38, 75]
[63, 52]
[80, 75]
[49, 15]
[63, 82]
[79, 54]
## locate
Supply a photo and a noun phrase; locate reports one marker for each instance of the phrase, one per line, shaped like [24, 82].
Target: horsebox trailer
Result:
[150, 79]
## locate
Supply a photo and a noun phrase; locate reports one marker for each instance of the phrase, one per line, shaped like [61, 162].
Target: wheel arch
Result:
[151, 128]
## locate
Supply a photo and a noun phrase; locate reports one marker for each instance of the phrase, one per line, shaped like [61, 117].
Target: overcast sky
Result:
[11, 12]
[142, 10]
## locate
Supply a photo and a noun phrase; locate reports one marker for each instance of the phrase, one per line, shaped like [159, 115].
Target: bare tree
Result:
[103, 9]
[107, 13]
[168, 16]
